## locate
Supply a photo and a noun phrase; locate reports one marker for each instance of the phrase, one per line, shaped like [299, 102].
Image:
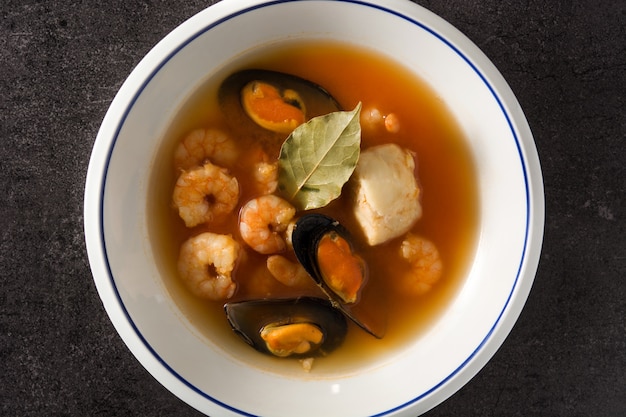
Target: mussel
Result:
[272, 103]
[295, 327]
[325, 250]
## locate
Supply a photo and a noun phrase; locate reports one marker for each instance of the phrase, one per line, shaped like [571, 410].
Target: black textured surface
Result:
[62, 61]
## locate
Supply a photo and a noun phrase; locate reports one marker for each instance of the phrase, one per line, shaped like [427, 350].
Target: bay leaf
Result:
[318, 158]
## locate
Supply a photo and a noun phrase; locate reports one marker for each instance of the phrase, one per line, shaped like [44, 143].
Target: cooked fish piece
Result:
[386, 193]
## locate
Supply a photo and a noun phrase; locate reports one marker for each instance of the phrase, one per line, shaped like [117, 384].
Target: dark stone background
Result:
[61, 62]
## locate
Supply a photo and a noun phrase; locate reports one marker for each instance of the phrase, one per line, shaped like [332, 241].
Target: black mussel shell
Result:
[307, 234]
[316, 99]
[308, 231]
[249, 318]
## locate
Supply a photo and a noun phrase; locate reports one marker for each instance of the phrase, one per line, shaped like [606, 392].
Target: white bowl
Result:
[407, 383]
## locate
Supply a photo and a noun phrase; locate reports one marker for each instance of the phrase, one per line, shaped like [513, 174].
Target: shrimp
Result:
[206, 263]
[372, 120]
[201, 145]
[425, 266]
[292, 274]
[392, 123]
[265, 177]
[264, 171]
[204, 194]
[262, 220]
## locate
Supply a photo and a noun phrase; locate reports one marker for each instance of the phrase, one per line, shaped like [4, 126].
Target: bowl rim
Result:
[224, 11]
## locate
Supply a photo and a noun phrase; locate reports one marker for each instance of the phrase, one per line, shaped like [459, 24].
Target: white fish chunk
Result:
[386, 193]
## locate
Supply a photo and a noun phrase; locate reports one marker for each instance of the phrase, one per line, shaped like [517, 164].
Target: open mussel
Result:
[272, 103]
[325, 250]
[296, 327]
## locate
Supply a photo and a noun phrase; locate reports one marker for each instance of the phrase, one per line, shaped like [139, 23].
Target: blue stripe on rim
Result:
[229, 17]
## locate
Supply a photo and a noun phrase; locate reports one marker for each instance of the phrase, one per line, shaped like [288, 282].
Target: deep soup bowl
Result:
[407, 382]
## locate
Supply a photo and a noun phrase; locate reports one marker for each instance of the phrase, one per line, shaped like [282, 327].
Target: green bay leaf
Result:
[318, 158]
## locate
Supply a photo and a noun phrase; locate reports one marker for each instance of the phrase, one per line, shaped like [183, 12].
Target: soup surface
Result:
[444, 169]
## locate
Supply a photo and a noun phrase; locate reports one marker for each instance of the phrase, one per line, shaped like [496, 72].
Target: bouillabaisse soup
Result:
[223, 204]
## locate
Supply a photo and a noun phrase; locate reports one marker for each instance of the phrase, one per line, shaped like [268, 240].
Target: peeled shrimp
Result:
[203, 194]
[205, 265]
[265, 177]
[264, 171]
[425, 266]
[202, 145]
[292, 274]
[373, 120]
[262, 221]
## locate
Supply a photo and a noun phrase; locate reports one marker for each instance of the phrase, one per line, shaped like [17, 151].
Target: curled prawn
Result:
[425, 266]
[262, 222]
[205, 193]
[206, 263]
[202, 145]
[291, 274]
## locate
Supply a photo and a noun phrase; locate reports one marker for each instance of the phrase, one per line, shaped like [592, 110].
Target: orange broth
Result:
[444, 168]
